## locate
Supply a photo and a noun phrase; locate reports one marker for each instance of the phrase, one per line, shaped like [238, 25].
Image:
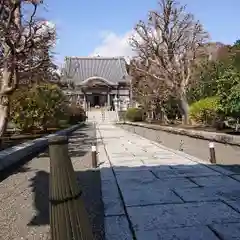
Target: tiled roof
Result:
[79, 69]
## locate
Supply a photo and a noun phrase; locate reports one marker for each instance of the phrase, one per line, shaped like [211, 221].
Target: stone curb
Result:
[210, 136]
[16, 153]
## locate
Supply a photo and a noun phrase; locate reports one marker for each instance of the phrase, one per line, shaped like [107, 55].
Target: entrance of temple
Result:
[97, 94]
[96, 100]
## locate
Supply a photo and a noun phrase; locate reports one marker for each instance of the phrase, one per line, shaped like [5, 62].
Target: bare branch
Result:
[24, 47]
[169, 41]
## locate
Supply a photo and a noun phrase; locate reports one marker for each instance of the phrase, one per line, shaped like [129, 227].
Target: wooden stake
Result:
[94, 156]
[212, 153]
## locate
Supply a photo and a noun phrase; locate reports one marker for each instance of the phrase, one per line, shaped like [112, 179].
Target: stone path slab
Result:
[181, 215]
[213, 181]
[147, 194]
[111, 199]
[186, 233]
[235, 204]
[117, 228]
[214, 193]
[237, 177]
[186, 171]
[165, 194]
[228, 230]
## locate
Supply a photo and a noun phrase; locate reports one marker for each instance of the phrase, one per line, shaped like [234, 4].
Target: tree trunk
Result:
[4, 112]
[237, 125]
[164, 116]
[9, 77]
[184, 109]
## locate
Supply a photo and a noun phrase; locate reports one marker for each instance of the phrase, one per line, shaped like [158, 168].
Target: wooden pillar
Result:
[130, 94]
[84, 101]
[70, 98]
[108, 99]
[117, 91]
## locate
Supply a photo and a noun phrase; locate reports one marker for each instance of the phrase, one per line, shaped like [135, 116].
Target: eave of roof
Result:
[78, 69]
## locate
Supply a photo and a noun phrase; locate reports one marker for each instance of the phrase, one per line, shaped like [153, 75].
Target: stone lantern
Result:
[125, 104]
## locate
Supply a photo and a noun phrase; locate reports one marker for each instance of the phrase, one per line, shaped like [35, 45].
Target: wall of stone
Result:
[225, 153]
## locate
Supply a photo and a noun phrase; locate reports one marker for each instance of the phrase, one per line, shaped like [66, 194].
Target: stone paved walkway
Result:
[152, 192]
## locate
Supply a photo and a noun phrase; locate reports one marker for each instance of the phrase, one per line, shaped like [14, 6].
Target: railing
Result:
[68, 216]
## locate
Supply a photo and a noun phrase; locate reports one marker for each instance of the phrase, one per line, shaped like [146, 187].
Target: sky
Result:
[103, 27]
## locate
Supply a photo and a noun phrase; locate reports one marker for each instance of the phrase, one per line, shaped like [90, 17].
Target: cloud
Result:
[113, 45]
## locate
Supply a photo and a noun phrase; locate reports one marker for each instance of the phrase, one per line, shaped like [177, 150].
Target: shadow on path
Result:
[19, 167]
[178, 201]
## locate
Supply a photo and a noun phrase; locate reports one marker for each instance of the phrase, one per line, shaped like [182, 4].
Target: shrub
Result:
[134, 114]
[76, 114]
[38, 107]
[229, 93]
[205, 110]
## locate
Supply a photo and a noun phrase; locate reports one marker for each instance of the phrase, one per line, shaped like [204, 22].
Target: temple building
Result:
[96, 81]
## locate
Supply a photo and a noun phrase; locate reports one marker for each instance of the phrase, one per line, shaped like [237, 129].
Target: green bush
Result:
[37, 108]
[134, 114]
[76, 114]
[229, 93]
[205, 110]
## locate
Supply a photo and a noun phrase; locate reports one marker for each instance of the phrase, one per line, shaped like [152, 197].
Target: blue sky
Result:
[102, 26]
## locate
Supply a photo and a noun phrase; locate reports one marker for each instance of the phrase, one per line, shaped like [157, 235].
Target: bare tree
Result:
[148, 91]
[24, 45]
[170, 41]
[140, 87]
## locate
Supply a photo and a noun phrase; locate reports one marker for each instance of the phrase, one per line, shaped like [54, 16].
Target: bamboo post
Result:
[94, 156]
[68, 216]
[94, 149]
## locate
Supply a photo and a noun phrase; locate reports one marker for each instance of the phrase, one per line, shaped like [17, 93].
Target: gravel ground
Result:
[24, 192]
